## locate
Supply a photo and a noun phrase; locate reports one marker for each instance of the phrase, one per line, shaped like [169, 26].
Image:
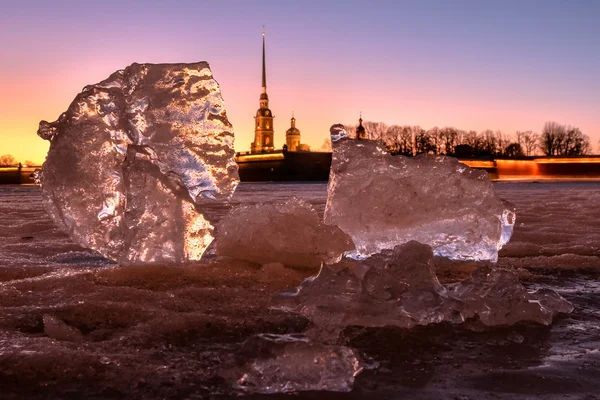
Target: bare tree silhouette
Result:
[561, 140]
[555, 140]
[7, 160]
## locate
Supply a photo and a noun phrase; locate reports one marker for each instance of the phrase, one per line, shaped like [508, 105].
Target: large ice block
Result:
[382, 200]
[290, 363]
[288, 232]
[134, 159]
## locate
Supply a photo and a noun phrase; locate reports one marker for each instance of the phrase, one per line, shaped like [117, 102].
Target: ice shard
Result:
[382, 200]
[134, 160]
[498, 298]
[396, 287]
[57, 329]
[399, 287]
[290, 363]
[287, 232]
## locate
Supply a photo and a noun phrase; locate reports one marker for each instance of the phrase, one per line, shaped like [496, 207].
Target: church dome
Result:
[360, 130]
[293, 131]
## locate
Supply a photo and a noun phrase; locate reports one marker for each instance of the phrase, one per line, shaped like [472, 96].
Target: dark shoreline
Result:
[314, 167]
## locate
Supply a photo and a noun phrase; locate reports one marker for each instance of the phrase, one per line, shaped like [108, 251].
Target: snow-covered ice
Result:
[136, 158]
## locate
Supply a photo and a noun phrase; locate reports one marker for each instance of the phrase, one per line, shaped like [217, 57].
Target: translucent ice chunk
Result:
[57, 329]
[396, 287]
[382, 200]
[290, 363]
[498, 298]
[399, 287]
[134, 159]
[289, 232]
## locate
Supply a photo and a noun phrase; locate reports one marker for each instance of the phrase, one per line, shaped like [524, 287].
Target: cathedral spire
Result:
[264, 70]
[263, 125]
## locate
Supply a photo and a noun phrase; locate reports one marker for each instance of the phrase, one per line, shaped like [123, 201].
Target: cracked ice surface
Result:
[269, 363]
[133, 160]
[399, 287]
[382, 200]
[288, 232]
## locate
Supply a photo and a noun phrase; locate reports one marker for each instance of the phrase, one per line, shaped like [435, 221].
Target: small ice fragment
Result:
[290, 363]
[57, 329]
[338, 132]
[498, 298]
[508, 223]
[288, 232]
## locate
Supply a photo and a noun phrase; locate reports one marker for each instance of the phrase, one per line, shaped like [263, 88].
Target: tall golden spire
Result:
[264, 70]
[263, 125]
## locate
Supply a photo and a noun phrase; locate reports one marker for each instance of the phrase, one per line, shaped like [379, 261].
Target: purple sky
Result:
[505, 65]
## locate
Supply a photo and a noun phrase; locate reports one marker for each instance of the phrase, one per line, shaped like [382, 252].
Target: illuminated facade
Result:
[292, 136]
[263, 121]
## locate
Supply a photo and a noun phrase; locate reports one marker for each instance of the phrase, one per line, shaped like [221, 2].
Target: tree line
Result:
[8, 160]
[554, 140]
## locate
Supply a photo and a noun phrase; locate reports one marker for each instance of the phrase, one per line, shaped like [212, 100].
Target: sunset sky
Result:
[503, 65]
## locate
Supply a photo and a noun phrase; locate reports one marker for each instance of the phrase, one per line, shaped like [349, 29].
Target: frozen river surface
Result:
[166, 332]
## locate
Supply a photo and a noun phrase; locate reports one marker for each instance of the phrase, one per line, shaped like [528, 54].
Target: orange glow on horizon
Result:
[260, 157]
[478, 164]
[584, 160]
[539, 169]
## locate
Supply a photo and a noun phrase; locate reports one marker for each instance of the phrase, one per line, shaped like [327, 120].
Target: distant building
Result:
[303, 147]
[360, 130]
[263, 124]
[292, 136]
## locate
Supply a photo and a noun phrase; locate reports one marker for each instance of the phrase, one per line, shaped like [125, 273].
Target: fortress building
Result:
[263, 124]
